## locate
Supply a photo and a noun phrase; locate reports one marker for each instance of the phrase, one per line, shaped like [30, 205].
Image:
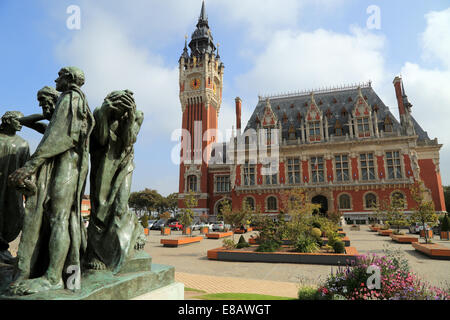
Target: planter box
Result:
[445, 235]
[433, 250]
[180, 241]
[239, 231]
[285, 257]
[385, 233]
[165, 231]
[404, 238]
[204, 230]
[374, 229]
[355, 228]
[218, 235]
[187, 231]
[429, 234]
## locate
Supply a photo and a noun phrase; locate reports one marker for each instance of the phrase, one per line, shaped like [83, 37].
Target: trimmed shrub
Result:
[242, 243]
[445, 226]
[308, 293]
[269, 246]
[306, 244]
[316, 232]
[339, 246]
[229, 244]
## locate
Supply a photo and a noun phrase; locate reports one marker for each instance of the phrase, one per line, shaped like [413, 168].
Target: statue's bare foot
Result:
[31, 286]
[95, 264]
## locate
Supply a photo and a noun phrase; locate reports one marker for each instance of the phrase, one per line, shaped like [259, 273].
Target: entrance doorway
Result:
[323, 201]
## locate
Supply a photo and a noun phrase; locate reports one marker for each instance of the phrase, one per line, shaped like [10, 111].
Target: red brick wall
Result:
[330, 175]
[432, 181]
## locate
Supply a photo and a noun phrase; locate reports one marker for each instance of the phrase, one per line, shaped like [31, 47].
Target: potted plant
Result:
[445, 228]
[424, 212]
[144, 223]
[165, 230]
[204, 229]
[187, 215]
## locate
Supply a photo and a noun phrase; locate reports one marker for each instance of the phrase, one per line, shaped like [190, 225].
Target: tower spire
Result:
[203, 16]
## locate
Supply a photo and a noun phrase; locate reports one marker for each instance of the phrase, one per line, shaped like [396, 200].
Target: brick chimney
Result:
[238, 113]
[398, 85]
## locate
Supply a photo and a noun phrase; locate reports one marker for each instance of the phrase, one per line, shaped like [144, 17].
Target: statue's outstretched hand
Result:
[21, 180]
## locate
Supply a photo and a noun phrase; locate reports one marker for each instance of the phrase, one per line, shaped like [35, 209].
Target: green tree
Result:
[187, 213]
[147, 200]
[235, 218]
[395, 214]
[144, 221]
[172, 202]
[424, 212]
[447, 197]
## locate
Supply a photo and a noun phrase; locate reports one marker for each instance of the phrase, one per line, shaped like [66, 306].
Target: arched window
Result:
[192, 183]
[398, 199]
[250, 202]
[272, 204]
[370, 201]
[344, 201]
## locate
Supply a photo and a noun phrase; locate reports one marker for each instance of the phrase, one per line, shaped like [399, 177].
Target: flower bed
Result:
[175, 242]
[396, 282]
[285, 255]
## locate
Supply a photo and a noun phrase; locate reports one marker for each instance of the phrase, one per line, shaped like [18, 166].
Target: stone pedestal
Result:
[138, 278]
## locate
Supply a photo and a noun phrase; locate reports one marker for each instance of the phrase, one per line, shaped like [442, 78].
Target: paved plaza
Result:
[280, 279]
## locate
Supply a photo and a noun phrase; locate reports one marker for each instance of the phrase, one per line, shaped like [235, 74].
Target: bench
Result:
[175, 242]
[218, 235]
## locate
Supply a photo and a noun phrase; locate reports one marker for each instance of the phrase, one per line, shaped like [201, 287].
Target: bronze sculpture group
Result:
[41, 194]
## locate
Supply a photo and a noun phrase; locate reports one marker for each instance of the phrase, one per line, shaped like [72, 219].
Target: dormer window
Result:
[363, 126]
[388, 124]
[338, 129]
[314, 130]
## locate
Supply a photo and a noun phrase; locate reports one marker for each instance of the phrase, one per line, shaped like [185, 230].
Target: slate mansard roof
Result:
[338, 104]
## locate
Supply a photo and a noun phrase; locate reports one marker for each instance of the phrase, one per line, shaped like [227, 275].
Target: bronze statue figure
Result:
[58, 168]
[14, 152]
[114, 231]
[47, 98]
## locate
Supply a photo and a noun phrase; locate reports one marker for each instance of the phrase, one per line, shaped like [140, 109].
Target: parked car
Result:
[220, 226]
[151, 223]
[199, 225]
[175, 225]
[417, 227]
[159, 224]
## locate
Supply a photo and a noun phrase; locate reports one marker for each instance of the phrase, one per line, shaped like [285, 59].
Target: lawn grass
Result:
[193, 290]
[241, 296]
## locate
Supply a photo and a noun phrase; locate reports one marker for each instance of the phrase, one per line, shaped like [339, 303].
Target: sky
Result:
[267, 47]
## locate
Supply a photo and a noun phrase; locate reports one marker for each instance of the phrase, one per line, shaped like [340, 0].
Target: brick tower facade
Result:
[200, 78]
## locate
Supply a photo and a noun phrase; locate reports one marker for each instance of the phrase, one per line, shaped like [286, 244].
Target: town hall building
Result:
[342, 145]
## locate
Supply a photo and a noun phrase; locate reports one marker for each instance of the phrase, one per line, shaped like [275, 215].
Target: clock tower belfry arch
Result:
[200, 80]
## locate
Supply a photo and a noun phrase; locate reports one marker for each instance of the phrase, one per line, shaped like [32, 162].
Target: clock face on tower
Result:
[195, 84]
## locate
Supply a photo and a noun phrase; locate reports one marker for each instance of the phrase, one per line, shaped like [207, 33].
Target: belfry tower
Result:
[201, 78]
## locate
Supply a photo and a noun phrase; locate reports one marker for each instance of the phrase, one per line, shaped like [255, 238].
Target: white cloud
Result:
[428, 89]
[112, 62]
[296, 60]
[436, 38]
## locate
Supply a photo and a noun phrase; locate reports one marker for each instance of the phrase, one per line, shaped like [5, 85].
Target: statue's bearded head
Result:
[10, 121]
[69, 76]
[47, 98]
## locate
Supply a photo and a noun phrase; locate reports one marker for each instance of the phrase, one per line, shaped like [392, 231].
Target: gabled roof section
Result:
[269, 117]
[339, 102]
